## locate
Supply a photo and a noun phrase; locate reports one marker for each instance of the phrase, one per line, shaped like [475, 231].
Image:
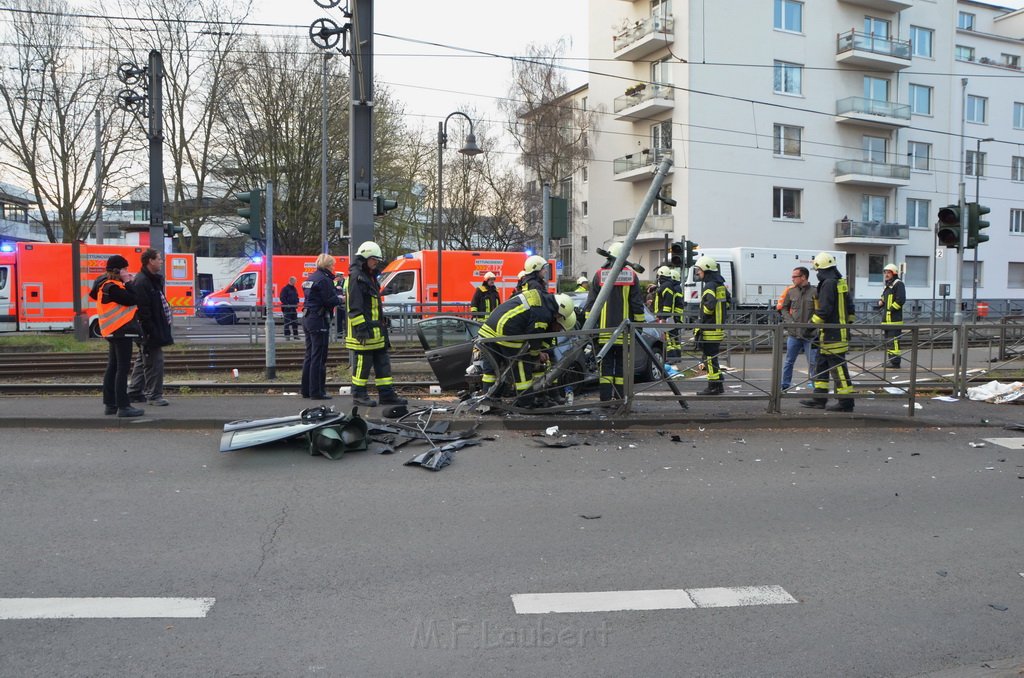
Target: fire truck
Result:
[36, 288]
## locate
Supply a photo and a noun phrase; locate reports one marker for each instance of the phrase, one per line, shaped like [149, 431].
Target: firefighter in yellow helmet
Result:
[626, 302]
[485, 297]
[582, 285]
[833, 306]
[894, 297]
[534, 279]
[714, 302]
[667, 300]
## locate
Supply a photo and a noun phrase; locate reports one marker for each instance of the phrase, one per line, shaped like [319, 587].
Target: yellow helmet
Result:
[521, 274]
[615, 249]
[370, 249]
[489, 275]
[534, 263]
[664, 272]
[824, 260]
[566, 311]
[706, 263]
[677, 274]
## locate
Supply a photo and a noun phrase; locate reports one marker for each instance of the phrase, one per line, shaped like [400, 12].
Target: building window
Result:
[873, 208]
[789, 16]
[876, 89]
[1018, 115]
[1011, 60]
[585, 174]
[661, 72]
[874, 149]
[920, 156]
[965, 20]
[920, 99]
[786, 203]
[1017, 168]
[876, 27]
[661, 134]
[876, 266]
[975, 164]
[921, 41]
[583, 103]
[583, 243]
[977, 109]
[787, 140]
[964, 53]
[659, 208]
[916, 273]
[918, 213]
[585, 208]
[1015, 275]
[1017, 221]
[969, 277]
[788, 78]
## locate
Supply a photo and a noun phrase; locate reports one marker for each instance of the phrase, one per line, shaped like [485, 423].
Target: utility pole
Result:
[98, 157]
[360, 205]
[268, 290]
[545, 247]
[323, 157]
[156, 151]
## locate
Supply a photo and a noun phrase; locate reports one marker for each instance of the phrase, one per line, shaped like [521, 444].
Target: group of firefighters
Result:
[534, 311]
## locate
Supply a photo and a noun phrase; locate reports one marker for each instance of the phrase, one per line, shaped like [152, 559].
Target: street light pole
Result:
[469, 149]
[323, 158]
[977, 198]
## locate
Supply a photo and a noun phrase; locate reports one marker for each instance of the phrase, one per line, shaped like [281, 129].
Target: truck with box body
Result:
[36, 283]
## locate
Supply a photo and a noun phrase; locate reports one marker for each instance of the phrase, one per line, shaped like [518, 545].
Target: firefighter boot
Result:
[844, 405]
[713, 388]
[606, 392]
[388, 396]
[814, 403]
[361, 397]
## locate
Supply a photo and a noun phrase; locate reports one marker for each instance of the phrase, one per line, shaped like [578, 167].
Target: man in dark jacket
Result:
[146, 383]
[714, 302]
[289, 309]
[485, 297]
[894, 297]
[367, 335]
[321, 299]
[115, 312]
[833, 307]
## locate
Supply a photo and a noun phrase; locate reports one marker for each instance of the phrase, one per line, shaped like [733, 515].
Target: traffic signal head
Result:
[975, 224]
[253, 212]
[677, 254]
[691, 254]
[172, 230]
[948, 228]
[382, 206]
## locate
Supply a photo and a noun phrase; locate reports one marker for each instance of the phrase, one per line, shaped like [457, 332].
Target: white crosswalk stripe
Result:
[104, 608]
[656, 599]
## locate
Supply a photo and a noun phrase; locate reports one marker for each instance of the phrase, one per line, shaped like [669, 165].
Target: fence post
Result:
[778, 351]
[629, 367]
[912, 386]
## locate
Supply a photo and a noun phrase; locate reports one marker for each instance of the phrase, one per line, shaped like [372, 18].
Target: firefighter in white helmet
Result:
[833, 306]
[582, 285]
[894, 296]
[485, 297]
[535, 279]
[714, 302]
[667, 300]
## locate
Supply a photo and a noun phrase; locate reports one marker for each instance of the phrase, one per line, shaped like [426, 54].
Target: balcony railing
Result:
[871, 230]
[649, 92]
[861, 105]
[876, 44]
[656, 225]
[873, 169]
[640, 29]
[640, 159]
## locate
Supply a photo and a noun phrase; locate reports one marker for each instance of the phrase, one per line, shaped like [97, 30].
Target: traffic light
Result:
[948, 228]
[975, 224]
[382, 205]
[677, 254]
[171, 230]
[253, 213]
[691, 254]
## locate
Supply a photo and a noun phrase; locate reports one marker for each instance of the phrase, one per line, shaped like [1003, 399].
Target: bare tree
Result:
[49, 97]
[196, 58]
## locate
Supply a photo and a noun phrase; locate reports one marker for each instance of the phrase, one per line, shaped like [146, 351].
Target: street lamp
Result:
[469, 149]
[977, 198]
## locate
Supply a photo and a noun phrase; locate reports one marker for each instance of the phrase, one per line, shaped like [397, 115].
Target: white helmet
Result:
[677, 274]
[566, 311]
[664, 272]
[370, 249]
[489, 276]
[824, 260]
[892, 268]
[534, 263]
[582, 280]
[615, 249]
[521, 274]
[706, 263]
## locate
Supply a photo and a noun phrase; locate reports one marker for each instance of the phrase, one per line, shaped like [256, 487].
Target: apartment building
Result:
[833, 124]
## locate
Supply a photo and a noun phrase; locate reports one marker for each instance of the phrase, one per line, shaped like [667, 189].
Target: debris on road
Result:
[973, 444]
[995, 392]
[586, 517]
[562, 442]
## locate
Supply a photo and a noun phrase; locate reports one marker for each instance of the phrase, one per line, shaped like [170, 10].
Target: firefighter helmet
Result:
[534, 263]
[582, 280]
[489, 276]
[824, 260]
[706, 263]
[370, 249]
[677, 274]
[892, 268]
[566, 311]
[614, 250]
[521, 274]
[664, 272]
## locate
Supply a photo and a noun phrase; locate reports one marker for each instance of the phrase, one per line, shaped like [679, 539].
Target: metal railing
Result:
[846, 228]
[876, 44]
[648, 157]
[652, 91]
[886, 109]
[640, 29]
[659, 224]
[873, 169]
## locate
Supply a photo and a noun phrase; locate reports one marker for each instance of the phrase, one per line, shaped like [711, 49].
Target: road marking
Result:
[1011, 443]
[104, 608]
[656, 599]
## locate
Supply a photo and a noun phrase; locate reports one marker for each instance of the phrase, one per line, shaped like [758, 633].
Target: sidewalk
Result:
[212, 412]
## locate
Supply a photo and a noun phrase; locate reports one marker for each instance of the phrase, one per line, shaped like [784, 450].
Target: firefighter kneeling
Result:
[531, 312]
[832, 307]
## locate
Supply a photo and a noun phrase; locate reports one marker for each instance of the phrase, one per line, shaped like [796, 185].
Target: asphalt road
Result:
[896, 545]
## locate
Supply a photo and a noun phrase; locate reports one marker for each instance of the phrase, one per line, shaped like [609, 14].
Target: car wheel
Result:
[651, 370]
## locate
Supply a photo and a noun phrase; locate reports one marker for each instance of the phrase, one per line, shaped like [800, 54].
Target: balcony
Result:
[647, 103]
[642, 37]
[867, 50]
[872, 113]
[654, 226]
[871, 233]
[882, 5]
[875, 174]
[640, 165]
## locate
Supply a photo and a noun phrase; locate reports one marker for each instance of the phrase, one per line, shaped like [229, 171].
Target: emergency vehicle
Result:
[246, 294]
[411, 280]
[36, 283]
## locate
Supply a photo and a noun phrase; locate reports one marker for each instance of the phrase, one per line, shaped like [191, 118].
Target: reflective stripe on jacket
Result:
[833, 307]
[625, 302]
[894, 296]
[111, 315]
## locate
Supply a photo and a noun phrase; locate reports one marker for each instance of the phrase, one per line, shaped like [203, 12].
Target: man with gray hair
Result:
[155, 317]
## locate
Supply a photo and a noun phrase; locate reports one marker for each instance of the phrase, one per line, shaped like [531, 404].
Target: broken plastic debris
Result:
[593, 517]
[976, 444]
[942, 573]
[1001, 608]
[551, 430]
